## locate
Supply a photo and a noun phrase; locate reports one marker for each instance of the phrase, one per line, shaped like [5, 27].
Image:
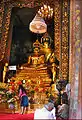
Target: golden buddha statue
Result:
[36, 58]
[54, 90]
[53, 69]
[45, 49]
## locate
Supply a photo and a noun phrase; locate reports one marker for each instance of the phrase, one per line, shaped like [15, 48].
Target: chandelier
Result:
[46, 11]
[38, 25]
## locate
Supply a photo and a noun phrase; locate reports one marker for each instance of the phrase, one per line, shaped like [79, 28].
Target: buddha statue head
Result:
[46, 38]
[36, 51]
[36, 44]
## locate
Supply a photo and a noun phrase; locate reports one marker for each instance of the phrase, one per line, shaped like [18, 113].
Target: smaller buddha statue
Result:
[46, 50]
[53, 89]
[53, 71]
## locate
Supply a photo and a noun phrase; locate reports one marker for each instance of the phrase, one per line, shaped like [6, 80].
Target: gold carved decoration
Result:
[1, 23]
[5, 31]
[57, 28]
[64, 40]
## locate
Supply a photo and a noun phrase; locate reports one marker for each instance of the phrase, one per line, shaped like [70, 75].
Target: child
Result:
[23, 99]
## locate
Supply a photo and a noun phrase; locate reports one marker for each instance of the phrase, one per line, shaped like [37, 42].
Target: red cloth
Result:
[16, 116]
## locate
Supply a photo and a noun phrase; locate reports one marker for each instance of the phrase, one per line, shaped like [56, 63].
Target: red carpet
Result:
[16, 116]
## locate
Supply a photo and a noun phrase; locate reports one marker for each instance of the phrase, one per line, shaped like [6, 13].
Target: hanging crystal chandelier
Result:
[38, 25]
[45, 11]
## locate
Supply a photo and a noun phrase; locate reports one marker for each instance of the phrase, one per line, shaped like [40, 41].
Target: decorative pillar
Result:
[61, 36]
[1, 16]
[57, 32]
[65, 39]
[57, 27]
[1, 21]
[5, 30]
[76, 60]
[9, 35]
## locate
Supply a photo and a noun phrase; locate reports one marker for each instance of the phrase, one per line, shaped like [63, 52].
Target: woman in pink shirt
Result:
[23, 99]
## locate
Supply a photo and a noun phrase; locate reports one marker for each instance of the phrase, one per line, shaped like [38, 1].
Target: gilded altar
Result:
[35, 71]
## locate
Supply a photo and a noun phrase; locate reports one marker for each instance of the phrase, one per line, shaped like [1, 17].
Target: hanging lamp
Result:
[38, 25]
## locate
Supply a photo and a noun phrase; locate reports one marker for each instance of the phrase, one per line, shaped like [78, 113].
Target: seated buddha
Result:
[36, 58]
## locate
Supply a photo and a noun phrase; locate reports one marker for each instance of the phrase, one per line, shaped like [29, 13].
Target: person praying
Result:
[47, 112]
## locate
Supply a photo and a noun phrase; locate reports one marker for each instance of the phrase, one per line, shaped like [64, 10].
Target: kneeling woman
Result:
[23, 99]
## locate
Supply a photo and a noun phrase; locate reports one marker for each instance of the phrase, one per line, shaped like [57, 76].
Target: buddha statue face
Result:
[46, 45]
[36, 50]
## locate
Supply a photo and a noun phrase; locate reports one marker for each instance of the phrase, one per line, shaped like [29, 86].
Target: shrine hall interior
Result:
[41, 49]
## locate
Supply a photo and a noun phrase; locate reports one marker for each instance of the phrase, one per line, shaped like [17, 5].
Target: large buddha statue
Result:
[42, 53]
[36, 58]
